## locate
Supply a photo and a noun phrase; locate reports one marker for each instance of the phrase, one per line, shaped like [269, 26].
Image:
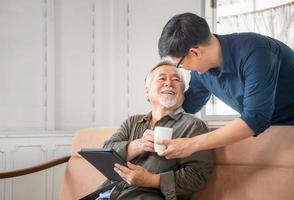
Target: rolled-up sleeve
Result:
[261, 76]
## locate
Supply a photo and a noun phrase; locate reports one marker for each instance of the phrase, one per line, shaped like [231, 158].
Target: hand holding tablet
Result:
[104, 160]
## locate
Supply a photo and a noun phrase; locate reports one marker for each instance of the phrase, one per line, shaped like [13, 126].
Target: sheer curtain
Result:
[275, 22]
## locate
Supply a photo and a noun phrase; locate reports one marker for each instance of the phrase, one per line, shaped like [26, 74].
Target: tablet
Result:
[104, 160]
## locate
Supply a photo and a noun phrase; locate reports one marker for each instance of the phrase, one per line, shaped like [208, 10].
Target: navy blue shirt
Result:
[256, 79]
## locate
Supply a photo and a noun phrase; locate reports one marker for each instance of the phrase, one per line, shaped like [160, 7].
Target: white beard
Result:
[167, 102]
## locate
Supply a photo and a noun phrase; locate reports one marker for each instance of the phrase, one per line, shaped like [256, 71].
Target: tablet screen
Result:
[104, 160]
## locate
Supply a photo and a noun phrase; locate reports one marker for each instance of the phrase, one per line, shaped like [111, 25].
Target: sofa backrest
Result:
[259, 168]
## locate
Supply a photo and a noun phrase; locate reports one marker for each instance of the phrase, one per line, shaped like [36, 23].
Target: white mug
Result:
[161, 133]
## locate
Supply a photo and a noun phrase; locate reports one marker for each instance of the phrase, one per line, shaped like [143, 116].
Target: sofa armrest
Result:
[33, 169]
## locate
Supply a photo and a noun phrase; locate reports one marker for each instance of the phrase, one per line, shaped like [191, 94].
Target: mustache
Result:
[168, 90]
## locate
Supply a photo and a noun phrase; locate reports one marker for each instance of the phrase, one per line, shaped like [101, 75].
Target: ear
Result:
[196, 51]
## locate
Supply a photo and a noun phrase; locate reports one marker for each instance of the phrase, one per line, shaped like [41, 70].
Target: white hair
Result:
[150, 74]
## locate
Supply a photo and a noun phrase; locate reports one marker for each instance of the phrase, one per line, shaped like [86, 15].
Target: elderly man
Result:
[149, 176]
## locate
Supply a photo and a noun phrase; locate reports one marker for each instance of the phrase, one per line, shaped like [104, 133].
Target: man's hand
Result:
[147, 141]
[139, 146]
[177, 148]
[137, 175]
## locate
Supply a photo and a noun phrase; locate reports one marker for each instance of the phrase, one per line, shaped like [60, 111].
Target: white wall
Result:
[22, 65]
[70, 64]
[147, 19]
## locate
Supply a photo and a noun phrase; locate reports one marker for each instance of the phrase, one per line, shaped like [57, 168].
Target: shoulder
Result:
[135, 119]
[131, 122]
[248, 42]
[245, 37]
[194, 123]
[190, 118]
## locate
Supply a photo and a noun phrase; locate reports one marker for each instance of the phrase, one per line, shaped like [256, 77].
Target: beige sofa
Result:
[260, 168]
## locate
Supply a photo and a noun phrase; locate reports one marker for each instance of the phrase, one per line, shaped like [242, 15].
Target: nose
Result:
[167, 82]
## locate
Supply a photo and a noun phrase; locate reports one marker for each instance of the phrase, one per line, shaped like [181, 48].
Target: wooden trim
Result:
[34, 169]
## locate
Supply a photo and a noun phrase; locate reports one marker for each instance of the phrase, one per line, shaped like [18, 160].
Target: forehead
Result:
[165, 70]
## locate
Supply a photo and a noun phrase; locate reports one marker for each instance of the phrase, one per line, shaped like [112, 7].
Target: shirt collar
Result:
[177, 113]
[228, 66]
[174, 115]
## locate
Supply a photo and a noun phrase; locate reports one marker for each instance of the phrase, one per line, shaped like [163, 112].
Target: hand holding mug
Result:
[147, 141]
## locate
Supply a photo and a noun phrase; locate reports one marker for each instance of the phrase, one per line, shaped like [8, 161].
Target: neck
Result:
[215, 52]
[158, 113]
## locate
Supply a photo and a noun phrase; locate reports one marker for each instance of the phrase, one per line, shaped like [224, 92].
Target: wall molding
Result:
[45, 144]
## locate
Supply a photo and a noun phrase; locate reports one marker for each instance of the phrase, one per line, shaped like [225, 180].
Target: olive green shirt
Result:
[179, 178]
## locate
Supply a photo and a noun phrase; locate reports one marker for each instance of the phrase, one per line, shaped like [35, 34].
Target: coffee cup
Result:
[161, 133]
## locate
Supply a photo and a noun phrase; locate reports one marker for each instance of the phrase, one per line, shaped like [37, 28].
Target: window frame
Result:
[210, 14]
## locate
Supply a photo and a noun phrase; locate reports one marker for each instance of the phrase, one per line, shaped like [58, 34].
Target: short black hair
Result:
[182, 32]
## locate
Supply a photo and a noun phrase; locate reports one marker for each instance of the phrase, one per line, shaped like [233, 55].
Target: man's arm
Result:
[134, 149]
[196, 96]
[119, 141]
[141, 145]
[261, 73]
[182, 147]
[192, 176]
[233, 132]
[130, 149]
[194, 171]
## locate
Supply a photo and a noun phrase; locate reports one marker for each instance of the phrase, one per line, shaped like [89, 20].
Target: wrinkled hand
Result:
[135, 175]
[147, 141]
[177, 148]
